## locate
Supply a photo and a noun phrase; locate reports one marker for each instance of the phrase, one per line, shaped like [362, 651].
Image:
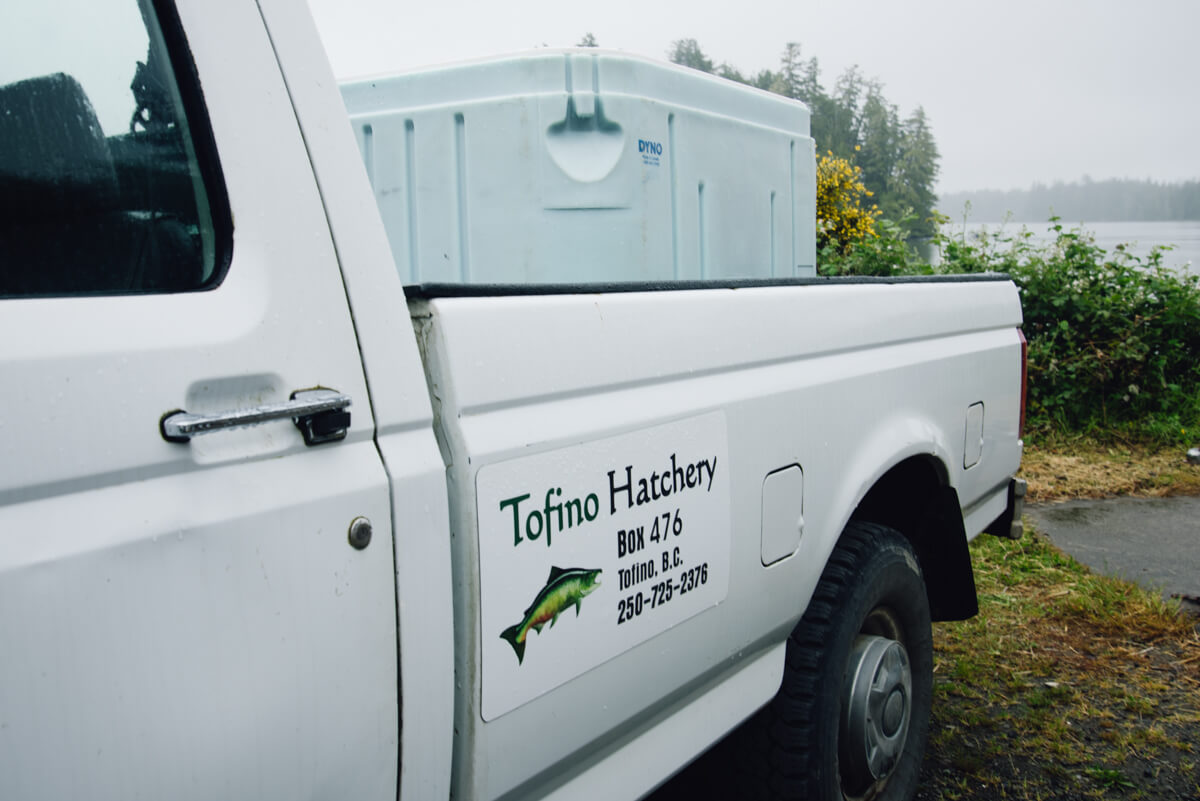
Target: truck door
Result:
[184, 613]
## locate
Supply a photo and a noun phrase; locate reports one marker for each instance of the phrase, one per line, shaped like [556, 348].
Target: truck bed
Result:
[830, 383]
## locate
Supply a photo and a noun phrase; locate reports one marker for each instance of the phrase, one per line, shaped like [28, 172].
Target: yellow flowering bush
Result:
[843, 217]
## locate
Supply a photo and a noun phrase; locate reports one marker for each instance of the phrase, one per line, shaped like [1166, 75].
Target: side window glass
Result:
[102, 188]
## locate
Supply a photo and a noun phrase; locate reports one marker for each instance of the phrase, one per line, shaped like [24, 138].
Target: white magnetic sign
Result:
[587, 551]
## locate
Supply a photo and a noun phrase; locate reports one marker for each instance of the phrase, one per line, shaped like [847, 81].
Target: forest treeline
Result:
[1117, 200]
[852, 120]
[855, 121]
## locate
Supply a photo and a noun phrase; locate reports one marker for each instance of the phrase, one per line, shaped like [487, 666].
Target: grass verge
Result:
[1083, 468]
[1066, 685]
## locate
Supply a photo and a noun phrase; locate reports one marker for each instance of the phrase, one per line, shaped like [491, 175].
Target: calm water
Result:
[1140, 237]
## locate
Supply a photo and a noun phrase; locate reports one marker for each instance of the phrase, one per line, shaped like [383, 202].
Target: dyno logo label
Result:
[650, 151]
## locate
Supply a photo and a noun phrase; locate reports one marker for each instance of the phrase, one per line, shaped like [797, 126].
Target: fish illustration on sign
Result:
[564, 588]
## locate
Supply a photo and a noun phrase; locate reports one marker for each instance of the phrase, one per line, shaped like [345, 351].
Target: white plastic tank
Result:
[585, 166]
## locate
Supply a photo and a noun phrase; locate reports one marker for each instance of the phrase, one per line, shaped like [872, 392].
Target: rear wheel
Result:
[851, 717]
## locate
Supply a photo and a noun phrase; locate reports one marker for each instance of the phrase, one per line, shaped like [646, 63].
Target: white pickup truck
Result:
[274, 524]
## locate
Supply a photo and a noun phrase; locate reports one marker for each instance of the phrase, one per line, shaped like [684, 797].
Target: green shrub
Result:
[882, 252]
[844, 218]
[1113, 337]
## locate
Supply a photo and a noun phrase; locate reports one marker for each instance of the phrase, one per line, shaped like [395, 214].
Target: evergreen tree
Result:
[810, 89]
[788, 79]
[822, 107]
[588, 40]
[898, 160]
[687, 52]
[731, 73]
[880, 145]
[847, 113]
[763, 80]
[916, 173]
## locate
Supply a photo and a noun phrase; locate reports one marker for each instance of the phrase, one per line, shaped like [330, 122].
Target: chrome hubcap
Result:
[876, 710]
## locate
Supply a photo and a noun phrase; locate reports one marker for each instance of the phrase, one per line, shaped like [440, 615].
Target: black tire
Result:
[800, 746]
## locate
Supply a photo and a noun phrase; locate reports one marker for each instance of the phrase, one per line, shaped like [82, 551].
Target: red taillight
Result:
[1024, 379]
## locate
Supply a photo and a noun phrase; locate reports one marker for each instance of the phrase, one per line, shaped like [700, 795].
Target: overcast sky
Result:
[1018, 92]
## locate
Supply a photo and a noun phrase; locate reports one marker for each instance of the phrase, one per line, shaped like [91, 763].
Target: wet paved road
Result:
[1153, 541]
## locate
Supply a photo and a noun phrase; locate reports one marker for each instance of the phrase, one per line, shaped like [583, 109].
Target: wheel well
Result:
[914, 499]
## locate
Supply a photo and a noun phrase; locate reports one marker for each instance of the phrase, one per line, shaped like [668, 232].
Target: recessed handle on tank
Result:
[320, 414]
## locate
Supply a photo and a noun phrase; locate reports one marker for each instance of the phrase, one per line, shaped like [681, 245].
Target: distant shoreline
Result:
[1118, 200]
